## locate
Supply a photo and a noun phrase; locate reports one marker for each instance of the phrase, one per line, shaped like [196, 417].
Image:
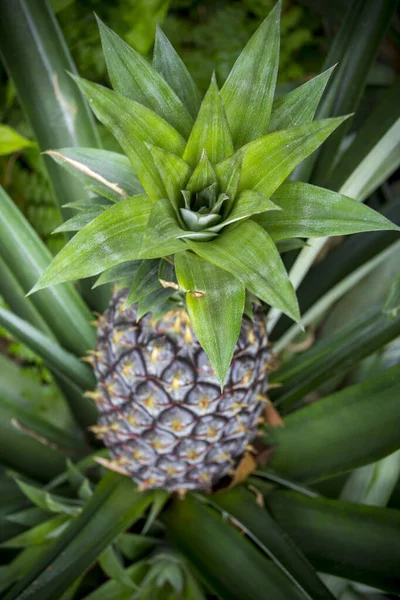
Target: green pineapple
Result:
[190, 224]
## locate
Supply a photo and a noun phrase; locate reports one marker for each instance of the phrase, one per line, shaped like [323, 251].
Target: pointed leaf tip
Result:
[249, 89]
[210, 131]
[215, 315]
[133, 76]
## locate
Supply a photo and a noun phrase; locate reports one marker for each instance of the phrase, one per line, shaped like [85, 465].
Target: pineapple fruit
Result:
[190, 224]
[163, 415]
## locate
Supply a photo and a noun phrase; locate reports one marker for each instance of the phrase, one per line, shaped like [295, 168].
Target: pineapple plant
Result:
[192, 220]
[178, 379]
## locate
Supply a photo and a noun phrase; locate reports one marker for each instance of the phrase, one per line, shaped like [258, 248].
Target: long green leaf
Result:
[167, 62]
[112, 566]
[215, 303]
[353, 427]
[247, 251]
[376, 162]
[210, 131]
[344, 259]
[351, 76]
[248, 92]
[133, 76]
[270, 159]
[132, 125]
[310, 211]
[27, 257]
[337, 292]
[144, 282]
[113, 237]
[25, 400]
[241, 506]
[335, 355]
[14, 295]
[113, 508]
[22, 389]
[11, 141]
[31, 445]
[17, 568]
[106, 173]
[122, 273]
[373, 484]
[38, 59]
[156, 302]
[228, 562]
[112, 590]
[298, 106]
[58, 358]
[379, 122]
[39, 534]
[360, 543]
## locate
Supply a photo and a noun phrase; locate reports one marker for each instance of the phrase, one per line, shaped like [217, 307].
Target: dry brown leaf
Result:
[272, 416]
[245, 467]
[112, 465]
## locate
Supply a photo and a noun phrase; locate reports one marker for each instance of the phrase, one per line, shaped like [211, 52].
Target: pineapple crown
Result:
[200, 204]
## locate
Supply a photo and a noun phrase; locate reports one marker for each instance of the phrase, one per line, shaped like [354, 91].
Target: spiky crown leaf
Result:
[200, 201]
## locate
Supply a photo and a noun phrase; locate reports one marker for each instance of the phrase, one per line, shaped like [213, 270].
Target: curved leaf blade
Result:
[174, 172]
[343, 431]
[210, 131]
[247, 204]
[27, 257]
[310, 211]
[241, 505]
[113, 237]
[133, 76]
[79, 221]
[54, 355]
[360, 543]
[108, 174]
[247, 251]
[298, 106]
[248, 92]
[167, 62]
[270, 159]
[132, 125]
[228, 562]
[215, 303]
[113, 508]
[335, 355]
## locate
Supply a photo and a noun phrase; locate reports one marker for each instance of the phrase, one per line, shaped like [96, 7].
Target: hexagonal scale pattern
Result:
[162, 413]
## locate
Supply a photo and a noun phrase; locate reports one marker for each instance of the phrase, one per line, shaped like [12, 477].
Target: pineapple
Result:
[163, 415]
[190, 224]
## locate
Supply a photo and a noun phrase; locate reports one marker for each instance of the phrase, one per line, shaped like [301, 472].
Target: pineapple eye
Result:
[177, 425]
[149, 402]
[204, 403]
[192, 454]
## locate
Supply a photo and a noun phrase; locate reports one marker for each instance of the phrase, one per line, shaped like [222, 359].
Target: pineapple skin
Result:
[162, 413]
